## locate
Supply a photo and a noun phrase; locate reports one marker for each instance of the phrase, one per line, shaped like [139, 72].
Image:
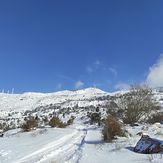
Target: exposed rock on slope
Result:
[147, 145]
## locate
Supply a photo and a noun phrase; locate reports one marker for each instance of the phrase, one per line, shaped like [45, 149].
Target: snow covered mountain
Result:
[15, 107]
[64, 99]
[31, 100]
[73, 144]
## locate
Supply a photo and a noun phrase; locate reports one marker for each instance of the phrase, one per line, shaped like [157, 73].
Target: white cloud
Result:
[113, 71]
[122, 86]
[155, 75]
[79, 84]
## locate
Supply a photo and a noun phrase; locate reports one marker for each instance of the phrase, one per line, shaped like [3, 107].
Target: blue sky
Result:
[48, 45]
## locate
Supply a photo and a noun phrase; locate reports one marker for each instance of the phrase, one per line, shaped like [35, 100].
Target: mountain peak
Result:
[92, 90]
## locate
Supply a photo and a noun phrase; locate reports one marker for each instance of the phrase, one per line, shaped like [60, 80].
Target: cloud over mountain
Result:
[155, 75]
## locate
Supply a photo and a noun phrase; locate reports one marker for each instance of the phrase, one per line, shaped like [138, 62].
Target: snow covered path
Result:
[95, 151]
[80, 144]
[60, 150]
[54, 145]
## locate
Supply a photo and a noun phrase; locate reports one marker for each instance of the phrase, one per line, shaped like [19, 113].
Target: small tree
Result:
[137, 104]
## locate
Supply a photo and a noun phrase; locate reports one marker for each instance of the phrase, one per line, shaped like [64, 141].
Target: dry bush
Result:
[29, 124]
[56, 122]
[137, 104]
[112, 129]
[156, 117]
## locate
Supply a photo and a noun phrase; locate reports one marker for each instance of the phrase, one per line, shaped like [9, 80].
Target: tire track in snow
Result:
[36, 156]
[77, 154]
[83, 143]
[66, 153]
[80, 150]
[61, 150]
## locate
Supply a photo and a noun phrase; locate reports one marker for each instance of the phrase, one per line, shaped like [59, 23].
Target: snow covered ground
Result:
[78, 143]
[41, 145]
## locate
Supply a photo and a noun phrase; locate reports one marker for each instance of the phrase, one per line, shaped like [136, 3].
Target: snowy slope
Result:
[38, 146]
[78, 143]
[29, 101]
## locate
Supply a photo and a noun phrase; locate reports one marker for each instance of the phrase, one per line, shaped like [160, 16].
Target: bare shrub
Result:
[29, 124]
[156, 117]
[112, 128]
[136, 105]
[56, 122]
